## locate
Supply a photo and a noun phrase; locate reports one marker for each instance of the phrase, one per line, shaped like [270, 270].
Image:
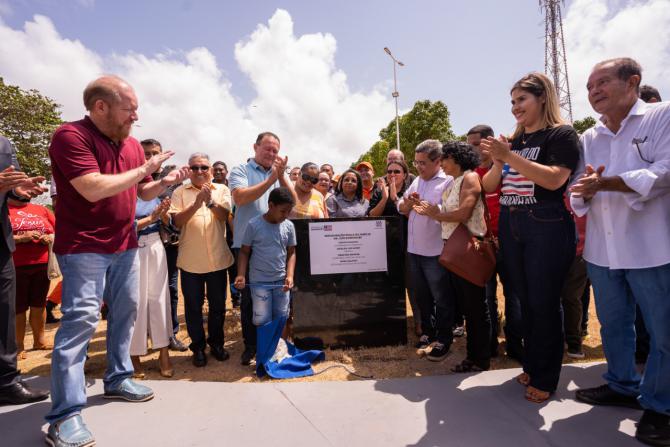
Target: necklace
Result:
[525, 138]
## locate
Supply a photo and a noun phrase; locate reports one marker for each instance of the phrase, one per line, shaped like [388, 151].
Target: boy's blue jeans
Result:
[270, 301]
[85, 277]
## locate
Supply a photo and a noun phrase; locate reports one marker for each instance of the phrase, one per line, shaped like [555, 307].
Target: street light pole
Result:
[395, 95]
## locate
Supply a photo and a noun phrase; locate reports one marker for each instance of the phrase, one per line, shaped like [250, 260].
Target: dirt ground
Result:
[377, 363]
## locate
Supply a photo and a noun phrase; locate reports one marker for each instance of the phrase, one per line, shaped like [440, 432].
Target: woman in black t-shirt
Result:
[537, 234]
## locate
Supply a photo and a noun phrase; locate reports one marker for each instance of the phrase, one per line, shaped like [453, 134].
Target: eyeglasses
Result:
[419, 163]
[393, 171]
[309, 178]
[199, 168]
[637, 142]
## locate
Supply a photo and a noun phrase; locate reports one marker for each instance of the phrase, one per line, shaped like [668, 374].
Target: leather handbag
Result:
[471, 257]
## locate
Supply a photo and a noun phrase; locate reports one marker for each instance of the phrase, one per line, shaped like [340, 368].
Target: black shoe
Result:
[199, 358]
[247, 356]
[237, 299]
[219, 353]
[50, 316]
[19, 393]
[176, 345]
[653, 429]
[604, 395]
[438, 353]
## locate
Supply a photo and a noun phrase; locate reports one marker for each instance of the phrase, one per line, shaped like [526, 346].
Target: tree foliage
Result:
[583, 125]
[426, 120]
[28, 119]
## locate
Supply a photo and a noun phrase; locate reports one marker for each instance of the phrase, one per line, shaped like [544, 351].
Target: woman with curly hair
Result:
[462, 203]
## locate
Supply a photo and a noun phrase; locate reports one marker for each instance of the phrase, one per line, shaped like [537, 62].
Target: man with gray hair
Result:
[424, 245]
[624, 189]
[200, 210]
[100, 170]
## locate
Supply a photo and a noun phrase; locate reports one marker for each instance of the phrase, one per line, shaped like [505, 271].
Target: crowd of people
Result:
[569, 212]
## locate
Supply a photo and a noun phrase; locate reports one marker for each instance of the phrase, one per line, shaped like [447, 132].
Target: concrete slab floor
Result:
[481, 409]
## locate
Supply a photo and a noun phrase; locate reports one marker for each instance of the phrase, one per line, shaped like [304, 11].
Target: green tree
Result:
[28, 119]
[583, 125]
[426, 120]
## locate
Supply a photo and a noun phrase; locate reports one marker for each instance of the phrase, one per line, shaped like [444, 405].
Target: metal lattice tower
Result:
[555, 63]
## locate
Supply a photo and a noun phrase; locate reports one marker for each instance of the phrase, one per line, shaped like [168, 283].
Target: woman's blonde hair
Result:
[539, 85]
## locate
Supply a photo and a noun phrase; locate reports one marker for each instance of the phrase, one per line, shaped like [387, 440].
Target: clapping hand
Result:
[205, 194]
[414, 199]
[381, 184]
[155, 162]
[498, 148]
[427, 209]
[279, 166]
[176, 176]
[588, 184]
[11, 179]
[160, 212]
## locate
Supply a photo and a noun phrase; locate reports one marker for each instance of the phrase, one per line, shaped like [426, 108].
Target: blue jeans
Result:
[431, 285]
[616, 293]
[269, 302]
[538, 245]
[85, 278]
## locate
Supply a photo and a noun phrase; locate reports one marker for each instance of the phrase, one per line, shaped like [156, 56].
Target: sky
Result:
[210, 75]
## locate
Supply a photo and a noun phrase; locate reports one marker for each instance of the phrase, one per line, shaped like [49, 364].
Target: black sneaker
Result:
[247, 356]
[176, 345]
[438, 353]
[653, 429]
[604, 395]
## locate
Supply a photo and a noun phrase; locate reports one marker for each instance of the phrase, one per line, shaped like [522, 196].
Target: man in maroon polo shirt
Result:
[100, 170]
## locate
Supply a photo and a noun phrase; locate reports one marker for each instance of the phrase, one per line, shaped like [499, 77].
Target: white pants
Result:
[153, 310]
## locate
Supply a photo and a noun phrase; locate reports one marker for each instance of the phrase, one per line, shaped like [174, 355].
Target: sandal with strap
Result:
[536, 395]
[467, 366]
[523, 379]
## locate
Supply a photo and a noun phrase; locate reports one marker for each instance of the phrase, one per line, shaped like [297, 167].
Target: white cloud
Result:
[600, 29]
[187, 102]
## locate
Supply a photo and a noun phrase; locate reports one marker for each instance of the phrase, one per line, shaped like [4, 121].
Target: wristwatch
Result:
[210, 204]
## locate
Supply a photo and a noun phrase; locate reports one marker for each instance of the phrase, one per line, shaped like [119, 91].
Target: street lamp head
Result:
[388, 51]
[401, 64]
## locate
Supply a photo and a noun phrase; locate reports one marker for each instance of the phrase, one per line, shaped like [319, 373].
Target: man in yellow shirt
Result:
[200, 210]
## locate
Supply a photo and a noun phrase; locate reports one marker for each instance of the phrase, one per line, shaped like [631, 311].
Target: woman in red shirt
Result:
[33, 228]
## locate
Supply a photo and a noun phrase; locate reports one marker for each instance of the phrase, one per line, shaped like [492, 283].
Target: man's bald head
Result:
[108, 88]
[395, 155]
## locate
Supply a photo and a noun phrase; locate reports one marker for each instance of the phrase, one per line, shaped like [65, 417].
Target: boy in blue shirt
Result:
[271, 240]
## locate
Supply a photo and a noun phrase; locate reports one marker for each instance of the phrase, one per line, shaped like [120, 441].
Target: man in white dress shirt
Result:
[624, 187]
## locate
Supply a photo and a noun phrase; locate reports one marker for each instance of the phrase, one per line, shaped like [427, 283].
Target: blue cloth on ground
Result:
[298, 363]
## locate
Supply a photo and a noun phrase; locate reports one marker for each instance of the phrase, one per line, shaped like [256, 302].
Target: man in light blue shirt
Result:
[250, 184]
[424, 246]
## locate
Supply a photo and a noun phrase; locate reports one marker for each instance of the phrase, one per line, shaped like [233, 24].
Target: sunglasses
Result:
[394, 171]
[309, 178]
[199, 168]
